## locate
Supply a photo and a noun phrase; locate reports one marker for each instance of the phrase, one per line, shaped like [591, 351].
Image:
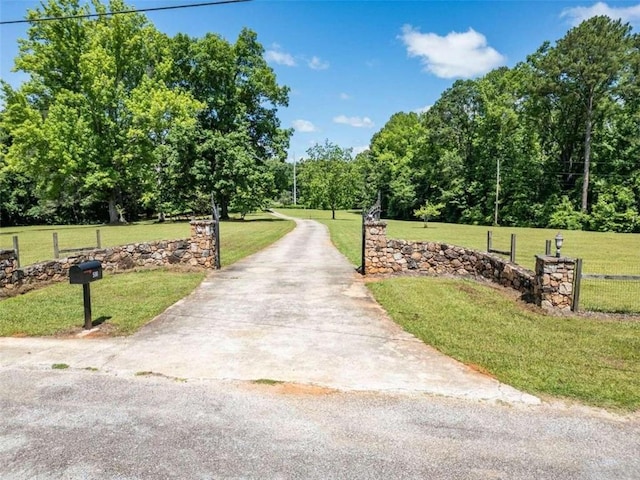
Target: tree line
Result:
[116, 119]
[551, 142]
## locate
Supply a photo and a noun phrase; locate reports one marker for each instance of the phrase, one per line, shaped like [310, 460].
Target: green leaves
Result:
[114, 113]
[327, 178]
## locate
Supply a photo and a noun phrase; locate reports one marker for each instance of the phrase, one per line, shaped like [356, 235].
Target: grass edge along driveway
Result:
[127, 301]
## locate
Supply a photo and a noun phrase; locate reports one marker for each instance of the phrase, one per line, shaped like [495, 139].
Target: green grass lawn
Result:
[603, 253]
[591, 360]
[36, 242]
[129, 300]
[125, 301]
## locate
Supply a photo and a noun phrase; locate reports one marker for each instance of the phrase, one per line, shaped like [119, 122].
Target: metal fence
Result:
[606, 292]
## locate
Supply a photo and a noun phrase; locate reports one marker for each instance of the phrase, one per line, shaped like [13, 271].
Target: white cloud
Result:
[364, 122]
[304, 126]
[345, 96]
[424, 109]
[360, 149]
[454, 55]
[576, 15]
[316, 64]
[276, 55]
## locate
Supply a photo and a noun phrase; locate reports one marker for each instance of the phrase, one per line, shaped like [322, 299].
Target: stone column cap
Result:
[554, 259]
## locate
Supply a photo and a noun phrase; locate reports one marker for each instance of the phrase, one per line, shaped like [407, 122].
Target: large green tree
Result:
[238, 135]
[585, 69]
[96, 106]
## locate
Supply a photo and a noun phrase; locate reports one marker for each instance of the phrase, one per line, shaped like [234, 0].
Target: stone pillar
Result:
[8, 268]
[375, 248]
[202, 244]
[553, 289]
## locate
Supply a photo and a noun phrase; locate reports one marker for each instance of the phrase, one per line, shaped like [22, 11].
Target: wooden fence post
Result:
[16, 247]
[98, 242]
[56, 249]
[489, 241]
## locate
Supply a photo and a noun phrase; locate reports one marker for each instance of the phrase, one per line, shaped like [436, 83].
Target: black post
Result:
[216, 230]
[575, 304]
[86, 297]
[547, 248]
[512, 255]
[362, 267]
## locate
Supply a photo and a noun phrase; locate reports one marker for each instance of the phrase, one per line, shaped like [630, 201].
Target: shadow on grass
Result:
[100, 321]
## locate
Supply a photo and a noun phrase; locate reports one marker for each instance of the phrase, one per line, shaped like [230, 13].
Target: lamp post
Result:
[559, 241]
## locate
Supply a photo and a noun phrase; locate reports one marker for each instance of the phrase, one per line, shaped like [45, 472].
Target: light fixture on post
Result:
[559, 241]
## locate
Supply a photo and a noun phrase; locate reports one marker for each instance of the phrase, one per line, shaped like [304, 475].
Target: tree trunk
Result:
[333, 214]
[161, 217]
[224, 209]
[113, 211]
[587, 156]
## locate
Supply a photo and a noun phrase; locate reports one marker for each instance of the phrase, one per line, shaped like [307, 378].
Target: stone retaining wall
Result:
[197, 251]
[545, 288]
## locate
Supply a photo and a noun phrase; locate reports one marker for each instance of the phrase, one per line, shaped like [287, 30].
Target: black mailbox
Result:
[86, 272]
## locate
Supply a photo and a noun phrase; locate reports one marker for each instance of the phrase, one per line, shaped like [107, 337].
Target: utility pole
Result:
[495, 213]
[295, 187]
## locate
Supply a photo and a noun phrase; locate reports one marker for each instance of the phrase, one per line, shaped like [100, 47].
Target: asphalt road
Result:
[71, 424]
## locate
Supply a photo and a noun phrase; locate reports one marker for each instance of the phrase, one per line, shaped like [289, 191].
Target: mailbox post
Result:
[83, 274]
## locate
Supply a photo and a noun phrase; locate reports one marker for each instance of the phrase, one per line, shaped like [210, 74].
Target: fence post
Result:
[98, 242]
[489, 240]
[56, 249]
[16, 247]
[512, 255]
[575, 304]
[547, 248]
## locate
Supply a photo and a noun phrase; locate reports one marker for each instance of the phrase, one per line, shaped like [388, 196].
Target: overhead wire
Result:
[123, 12]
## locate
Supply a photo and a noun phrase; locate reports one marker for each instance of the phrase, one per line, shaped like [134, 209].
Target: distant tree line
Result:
[552, 142]
[117, 120]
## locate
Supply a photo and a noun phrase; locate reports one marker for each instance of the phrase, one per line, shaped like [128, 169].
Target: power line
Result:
[122, 12]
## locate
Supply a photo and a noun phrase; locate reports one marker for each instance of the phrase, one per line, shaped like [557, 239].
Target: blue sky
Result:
[352, 64]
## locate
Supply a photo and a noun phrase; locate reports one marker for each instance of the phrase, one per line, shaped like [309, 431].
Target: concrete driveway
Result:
[295, 312]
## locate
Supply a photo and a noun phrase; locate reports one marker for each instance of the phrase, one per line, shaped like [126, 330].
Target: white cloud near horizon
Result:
[304, 126]
[577, 15]
[316, 64]
[358, 122]
[360, 149]
[456, 54]
[276, 55]
[424, 109]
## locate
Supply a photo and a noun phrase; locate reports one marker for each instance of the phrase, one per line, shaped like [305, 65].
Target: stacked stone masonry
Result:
[197, 251]
[551, 290]
[554, 282]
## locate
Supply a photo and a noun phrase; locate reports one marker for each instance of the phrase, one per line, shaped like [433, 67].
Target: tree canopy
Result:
[552, 141]
[117, 117]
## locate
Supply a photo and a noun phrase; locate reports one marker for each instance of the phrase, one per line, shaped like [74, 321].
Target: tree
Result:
[96, 106]
[585, 68]
[327, 178]
[395, 163]
[238, 133]
[428, 210]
